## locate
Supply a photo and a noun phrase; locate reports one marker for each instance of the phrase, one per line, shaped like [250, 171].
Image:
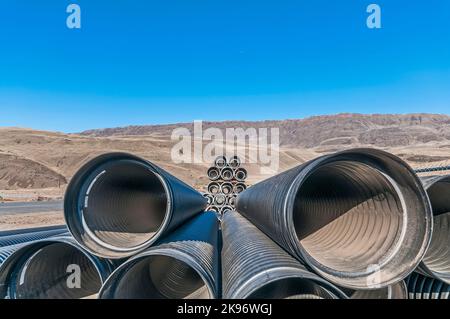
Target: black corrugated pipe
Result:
[42, 270]
[226, 188]
[214, 188]
[234, 161]
[240, 174]
[209, 198]
[220, 199]
[225, 209]
[213, 208]
[360, 218]
[239, 188]
[253, 266]
[227, 174]
[395, 291]
[183, 265]
[119, 204]
[220, 162]
[213, 173]
[231, 200]
[436, 262]
[424, 287]
[31, 235]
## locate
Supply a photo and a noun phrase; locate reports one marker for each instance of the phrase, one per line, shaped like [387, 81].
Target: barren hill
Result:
[42, 162]
[342, 129]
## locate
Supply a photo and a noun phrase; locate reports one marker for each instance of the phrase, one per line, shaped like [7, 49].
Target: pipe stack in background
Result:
[354, 224]
[227, 181]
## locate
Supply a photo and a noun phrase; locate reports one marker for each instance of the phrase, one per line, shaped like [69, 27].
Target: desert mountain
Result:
[31, 159]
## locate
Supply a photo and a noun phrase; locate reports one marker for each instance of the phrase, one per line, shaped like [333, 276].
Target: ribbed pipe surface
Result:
[31, 236]
[184, 265]
[360, 218]
[253, 266]
[436, 262]
[119, 204]
[396, 291]
[424, 287]
[42, 270]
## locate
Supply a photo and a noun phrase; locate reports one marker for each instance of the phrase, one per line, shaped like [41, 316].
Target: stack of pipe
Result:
[116, 206]
[354, 224]
[227, 180]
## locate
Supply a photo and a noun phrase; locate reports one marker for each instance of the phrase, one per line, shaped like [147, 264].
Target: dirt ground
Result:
[18, 221]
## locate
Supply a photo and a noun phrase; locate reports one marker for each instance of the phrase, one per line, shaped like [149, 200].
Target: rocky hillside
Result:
[331, 130]
[31, 159]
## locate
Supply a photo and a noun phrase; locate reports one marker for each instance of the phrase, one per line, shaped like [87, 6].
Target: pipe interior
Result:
[126, 204]
[227, 188]
[45, 275]
[348, 216]
[227, 174]
[161, 277]
[437, 258]
[240, 175]
[213, 188]
[213, 173]
[291, 288]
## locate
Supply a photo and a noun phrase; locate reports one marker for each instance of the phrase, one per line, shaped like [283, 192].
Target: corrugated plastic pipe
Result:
[220, 162]
[360, 218]
[119, 204]
[213, 173]
[253, 266]
[226, 188]
[227, 174]
[424, 287]
[240, 174]
[436, 262]
[32, 235]
[46, 269]
[214, 188]
[234, 161]
[395, 291]
[183, 265]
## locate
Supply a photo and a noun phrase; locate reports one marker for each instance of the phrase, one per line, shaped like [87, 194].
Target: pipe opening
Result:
[220, 199]
[220, 161]
[235, 162]
[52, 273]
[161, 277]
[291, 288]
[227, 174]
[214, 188]
[437, 258]
[213, 173]
[348, 216]
[227, 188]
[240, 174]
[126, 204]
[239, 188]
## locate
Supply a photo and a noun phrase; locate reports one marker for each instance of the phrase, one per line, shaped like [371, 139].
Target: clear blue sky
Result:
[165, 61]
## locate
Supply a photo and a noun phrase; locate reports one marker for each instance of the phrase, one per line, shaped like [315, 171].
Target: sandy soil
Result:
[18, 221]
